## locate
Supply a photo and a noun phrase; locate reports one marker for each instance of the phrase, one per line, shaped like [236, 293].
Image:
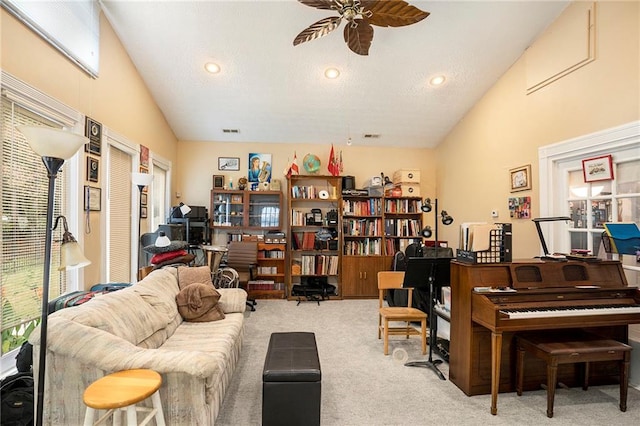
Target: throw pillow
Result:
[193, 274]
[163, 257]
[198, 302]
[173, 246]
[182, 260]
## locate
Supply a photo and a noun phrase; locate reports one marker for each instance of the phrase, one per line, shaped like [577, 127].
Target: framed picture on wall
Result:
[520, 178]
[229, 163]
[598, 168]
[93, 171]
[143, 212]
[92, 198]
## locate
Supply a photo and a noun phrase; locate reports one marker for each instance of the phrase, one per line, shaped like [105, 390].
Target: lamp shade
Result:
[71, 256]
[49, 142]
[162, 240]
[141, 179]
[184, 209]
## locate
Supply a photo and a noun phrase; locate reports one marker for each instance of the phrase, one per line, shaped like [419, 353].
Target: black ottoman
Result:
[291, 380]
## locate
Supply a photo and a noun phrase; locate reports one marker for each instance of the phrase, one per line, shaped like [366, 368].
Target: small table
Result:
[569, 348]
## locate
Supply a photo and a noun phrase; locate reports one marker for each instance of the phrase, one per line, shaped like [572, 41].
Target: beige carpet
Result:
[361, 386]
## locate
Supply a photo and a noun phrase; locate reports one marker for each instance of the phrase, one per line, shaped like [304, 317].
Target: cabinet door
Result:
[227, 209]
[360, 275]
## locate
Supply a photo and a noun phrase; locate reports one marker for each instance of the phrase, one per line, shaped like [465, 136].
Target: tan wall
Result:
[198, 162]
[118, 99]
[505, 129]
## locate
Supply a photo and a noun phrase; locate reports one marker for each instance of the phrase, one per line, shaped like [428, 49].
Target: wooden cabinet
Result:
[314, 249]
[253, 210]
[360, 275]
[269, 278]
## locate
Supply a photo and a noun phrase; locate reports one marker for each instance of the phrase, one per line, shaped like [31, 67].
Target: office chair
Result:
[407, 314]
[243, 257]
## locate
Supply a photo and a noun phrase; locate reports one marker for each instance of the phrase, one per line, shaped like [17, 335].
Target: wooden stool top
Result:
[122, 389]
[568, 343]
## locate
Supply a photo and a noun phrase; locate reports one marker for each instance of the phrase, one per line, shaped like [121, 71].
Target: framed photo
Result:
[93, 131]
[218, 182]
[92, 169]
[229, 163]
[520, 178]
[143, 212]
[92, 198]
[144, 156]
[143, 199]
[598, 168]
[259, 172]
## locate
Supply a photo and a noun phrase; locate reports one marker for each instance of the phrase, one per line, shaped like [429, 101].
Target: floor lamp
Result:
[426, 233]
[141, 180]
[54, 146]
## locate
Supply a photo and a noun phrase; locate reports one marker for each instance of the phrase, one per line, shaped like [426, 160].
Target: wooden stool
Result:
[123, 390]
[572, 348]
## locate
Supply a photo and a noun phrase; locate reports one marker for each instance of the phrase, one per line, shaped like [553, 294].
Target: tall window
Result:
[24, 207]
[158, 200]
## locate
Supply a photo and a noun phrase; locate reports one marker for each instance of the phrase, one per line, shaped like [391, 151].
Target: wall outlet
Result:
[494, 213]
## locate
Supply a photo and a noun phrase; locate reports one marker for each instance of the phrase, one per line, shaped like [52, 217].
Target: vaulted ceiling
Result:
[269, 90]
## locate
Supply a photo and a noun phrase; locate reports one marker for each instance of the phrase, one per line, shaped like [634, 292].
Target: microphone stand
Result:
[433, 328]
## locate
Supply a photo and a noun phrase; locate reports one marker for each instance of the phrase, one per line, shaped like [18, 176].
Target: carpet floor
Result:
[361, 386]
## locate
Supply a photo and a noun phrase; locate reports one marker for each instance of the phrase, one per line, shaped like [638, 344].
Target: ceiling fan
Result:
[360, 16]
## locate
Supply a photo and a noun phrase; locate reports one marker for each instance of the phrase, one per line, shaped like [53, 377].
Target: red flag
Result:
[294, 165]
[333, 166]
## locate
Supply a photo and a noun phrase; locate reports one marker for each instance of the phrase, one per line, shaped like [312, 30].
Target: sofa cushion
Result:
[198, 302]
[123, 313]
[163, 257]
[193, 274]
[173, 246]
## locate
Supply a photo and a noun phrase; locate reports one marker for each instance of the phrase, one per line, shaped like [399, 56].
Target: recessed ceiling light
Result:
[331, 73]
[212, 68]
[437, 81]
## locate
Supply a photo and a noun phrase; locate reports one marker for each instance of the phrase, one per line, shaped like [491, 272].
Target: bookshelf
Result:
[363, 247]
[269, 279]
[314, 249]
[402, 223]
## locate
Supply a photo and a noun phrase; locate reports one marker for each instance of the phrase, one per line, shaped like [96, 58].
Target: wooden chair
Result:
[243, 257]
[393, 280]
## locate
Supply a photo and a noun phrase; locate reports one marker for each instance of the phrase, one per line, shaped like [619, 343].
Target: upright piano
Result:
[492, 302]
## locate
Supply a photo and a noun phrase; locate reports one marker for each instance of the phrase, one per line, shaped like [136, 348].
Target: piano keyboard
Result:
[571, 311]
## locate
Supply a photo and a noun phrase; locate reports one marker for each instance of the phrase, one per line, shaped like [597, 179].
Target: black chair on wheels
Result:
[243, 257]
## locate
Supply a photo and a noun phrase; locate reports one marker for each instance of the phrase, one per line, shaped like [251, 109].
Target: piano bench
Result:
[570, 348]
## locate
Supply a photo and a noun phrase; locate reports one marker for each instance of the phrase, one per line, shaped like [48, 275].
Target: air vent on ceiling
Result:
[371, 136]
[230, 130]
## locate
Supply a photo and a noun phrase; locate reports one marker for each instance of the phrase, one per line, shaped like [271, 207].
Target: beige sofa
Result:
[140, 327]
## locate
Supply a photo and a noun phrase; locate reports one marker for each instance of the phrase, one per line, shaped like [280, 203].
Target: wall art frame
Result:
[229, 163]
[93, 131]
[92, 198]
[520, 178]
[143, 212]
[597, 168]
[93, 169]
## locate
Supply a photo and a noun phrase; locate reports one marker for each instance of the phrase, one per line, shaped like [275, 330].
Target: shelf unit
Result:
[269, 277]
[253, 210]
[309, 258]
[402, 223]
[363, 248]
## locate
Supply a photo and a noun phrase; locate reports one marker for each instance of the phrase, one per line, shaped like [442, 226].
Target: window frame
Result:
[53, 110]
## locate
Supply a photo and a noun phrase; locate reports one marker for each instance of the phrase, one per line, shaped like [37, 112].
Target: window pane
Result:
[578, 214]
[600, 212]
[578, 240]
[24, 208]
[628, 177]
[628, 209]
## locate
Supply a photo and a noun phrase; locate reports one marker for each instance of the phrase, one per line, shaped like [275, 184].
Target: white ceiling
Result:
[272, 91]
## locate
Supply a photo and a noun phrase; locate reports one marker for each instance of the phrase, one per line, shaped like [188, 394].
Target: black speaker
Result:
[348, 182]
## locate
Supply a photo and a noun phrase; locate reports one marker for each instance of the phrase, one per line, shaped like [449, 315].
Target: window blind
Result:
[120, 211]
[24, 214]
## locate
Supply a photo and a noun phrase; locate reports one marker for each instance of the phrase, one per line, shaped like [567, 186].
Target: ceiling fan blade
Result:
[394, 13]
[318, 29]
[358, 36]
[321, 4]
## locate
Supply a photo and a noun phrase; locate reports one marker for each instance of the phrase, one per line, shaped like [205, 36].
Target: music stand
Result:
[428, 272]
